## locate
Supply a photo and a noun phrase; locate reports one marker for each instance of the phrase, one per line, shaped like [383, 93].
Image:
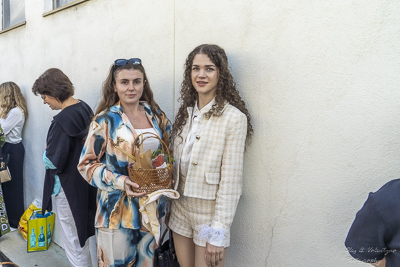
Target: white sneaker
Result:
[13, 229]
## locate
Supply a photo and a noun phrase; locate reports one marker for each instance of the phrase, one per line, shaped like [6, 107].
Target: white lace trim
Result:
[209, 234]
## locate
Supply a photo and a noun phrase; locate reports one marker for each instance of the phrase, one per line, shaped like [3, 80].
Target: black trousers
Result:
[13, 191]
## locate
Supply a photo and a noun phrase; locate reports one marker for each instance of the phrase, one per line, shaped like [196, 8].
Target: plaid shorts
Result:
[189, 212]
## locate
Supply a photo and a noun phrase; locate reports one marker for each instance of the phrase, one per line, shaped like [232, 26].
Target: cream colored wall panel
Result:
[321, 81]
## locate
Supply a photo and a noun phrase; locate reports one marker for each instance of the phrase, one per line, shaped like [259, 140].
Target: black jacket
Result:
[64, 146]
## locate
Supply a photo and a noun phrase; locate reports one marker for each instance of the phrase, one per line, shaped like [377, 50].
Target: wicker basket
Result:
[150, 180]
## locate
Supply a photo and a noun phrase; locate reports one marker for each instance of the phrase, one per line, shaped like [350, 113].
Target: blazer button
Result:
[195, 163]
[198, 137]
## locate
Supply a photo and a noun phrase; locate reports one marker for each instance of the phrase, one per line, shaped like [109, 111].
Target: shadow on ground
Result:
[13, 246]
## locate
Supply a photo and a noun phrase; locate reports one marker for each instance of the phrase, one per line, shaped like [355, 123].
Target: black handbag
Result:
[165, 255]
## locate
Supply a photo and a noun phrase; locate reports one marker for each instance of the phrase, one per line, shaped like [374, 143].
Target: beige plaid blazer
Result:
[216, 165]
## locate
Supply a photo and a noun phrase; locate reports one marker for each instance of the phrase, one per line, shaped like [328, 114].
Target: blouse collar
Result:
[204, 110]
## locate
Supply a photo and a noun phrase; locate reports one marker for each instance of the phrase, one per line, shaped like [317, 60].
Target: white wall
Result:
[84, 41]
[320, 79]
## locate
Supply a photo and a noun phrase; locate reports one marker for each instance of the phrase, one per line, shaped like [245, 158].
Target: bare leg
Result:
[200, 252]
[184, 250]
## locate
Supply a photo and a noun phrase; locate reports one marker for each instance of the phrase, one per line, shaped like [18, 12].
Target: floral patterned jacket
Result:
[105, 167]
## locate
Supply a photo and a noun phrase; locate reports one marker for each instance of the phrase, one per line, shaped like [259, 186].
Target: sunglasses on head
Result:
[122, 62]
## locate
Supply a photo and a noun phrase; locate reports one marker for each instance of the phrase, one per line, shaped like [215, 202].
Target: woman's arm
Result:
[12, 119]
[230, 185]
[230, 189]
[367, 238]
[90, 166]
[57, 147]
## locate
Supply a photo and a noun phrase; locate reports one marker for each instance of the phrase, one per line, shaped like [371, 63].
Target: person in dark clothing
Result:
[75, 199]
[13, 112]
[374, 236]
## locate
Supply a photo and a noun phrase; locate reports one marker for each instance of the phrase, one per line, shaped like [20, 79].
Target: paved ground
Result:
[13, 246]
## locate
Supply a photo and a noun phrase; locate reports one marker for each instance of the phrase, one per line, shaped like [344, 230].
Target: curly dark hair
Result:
[110, 98]
[225, 92]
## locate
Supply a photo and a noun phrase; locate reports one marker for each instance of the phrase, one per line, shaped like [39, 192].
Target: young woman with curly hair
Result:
[13, 113]
[210, 133]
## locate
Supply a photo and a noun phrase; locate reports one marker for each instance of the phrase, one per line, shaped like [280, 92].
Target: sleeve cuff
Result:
[119, 181]
[214, 236]
[115, 180]
[47, 162]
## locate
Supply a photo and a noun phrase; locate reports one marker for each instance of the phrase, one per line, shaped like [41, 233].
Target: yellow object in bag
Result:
[23, 222]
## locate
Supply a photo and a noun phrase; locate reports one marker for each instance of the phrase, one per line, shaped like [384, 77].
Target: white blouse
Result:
[194, 124]
[149, 143]
[12, 125]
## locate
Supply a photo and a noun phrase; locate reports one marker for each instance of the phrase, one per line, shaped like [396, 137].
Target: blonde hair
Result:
[11, 97]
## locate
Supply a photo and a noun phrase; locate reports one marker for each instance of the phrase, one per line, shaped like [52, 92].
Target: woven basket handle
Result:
[153, 135]
[122, 150]
[141, 143]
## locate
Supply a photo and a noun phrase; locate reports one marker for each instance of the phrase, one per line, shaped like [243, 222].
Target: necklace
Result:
[134, 119]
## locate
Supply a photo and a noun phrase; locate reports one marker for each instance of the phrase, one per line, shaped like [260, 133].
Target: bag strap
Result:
[162, 237]
[3, 158]
[8, 263]
[1, 155]
[171, 240]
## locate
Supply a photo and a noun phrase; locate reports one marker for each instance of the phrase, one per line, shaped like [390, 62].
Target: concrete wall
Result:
[320, 79]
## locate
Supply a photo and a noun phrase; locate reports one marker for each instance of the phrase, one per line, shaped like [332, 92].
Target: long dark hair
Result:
[226, 88]
[110, 97]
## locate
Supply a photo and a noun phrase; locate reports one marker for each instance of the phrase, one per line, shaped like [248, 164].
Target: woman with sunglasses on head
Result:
[75, 200]
[210, 133]
[126, 110]
[13, 112]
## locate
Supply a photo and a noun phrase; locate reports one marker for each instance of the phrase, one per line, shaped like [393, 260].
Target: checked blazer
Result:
[216, 165]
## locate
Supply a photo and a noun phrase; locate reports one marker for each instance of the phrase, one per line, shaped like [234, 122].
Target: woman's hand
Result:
[214, 255]
[129, 185]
